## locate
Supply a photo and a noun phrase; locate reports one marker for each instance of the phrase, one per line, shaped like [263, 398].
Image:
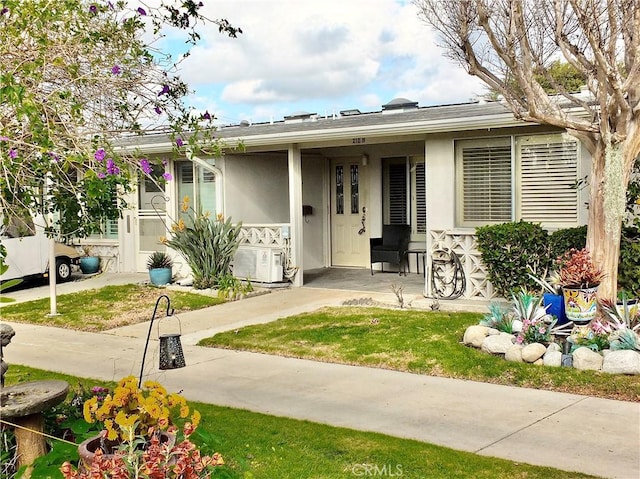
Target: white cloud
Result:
[338, 54]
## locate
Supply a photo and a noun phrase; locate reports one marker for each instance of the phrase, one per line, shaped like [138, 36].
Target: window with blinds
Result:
[486, 182]
[548, 172]
[397, 198]
[421, 199]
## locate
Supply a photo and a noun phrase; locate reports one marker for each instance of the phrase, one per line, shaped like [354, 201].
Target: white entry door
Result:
[349, 236]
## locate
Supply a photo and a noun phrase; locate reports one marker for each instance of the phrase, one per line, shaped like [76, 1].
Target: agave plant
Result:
[498, 318]
[528, 307]
[625, 323]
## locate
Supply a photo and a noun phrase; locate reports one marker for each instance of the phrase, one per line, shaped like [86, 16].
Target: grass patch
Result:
[259, 446]
[104, 308]
[422, 342]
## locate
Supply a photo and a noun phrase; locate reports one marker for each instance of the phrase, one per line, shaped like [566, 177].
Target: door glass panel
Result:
[339, 190]
[355, 200]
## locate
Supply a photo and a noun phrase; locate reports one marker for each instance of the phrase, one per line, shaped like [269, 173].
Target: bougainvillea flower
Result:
[93, 9]
[167, 176]
[13, 154]
[179, 142]
[158, 110]
[165, 90]
[142, 11]
[99, 154]
[116, 70]
[206, 115]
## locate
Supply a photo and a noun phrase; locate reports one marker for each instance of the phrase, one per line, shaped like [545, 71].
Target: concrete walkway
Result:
[570, 432]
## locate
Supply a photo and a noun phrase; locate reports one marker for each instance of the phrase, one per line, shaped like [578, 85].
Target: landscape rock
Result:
[532, 352]
[474, 335]
[586, 359]
[552, 358]
[539, 362]
[498, 344]
[514, 353]
[622, 362]
[492, 332]
[554, 347]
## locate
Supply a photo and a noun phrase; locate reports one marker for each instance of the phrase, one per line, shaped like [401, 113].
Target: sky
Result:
[319, 56]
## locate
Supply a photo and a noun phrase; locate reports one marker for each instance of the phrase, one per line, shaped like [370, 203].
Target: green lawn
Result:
[104, 308]
[417, 341]
[257, 446]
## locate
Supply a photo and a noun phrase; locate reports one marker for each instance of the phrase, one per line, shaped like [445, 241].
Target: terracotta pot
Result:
[87, 449]
[580, 305]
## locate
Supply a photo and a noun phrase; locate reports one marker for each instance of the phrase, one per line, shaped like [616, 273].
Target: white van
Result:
[28, 253]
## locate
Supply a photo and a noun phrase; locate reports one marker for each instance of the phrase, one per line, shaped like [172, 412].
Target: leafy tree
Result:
[512, 45]
[75, 77]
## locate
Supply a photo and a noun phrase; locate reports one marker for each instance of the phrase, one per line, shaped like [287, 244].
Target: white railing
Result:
[264, 234]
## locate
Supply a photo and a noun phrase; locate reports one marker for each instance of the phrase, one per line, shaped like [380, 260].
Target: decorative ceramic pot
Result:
[89, 264]
[160, 276]
[580, 305]
[555, 306]
[87, 449]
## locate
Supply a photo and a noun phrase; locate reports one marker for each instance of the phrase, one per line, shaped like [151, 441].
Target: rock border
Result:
[499, 343]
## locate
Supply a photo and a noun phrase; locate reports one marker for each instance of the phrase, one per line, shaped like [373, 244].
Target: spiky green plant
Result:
[159, 259]
[528, 306]
[207, 244]
[625, 322]
[498, 318]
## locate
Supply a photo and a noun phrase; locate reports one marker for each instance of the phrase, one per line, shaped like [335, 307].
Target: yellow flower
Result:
[220, 217]
[124, 421]
[185, 204]
[89, 409]
[195, 418]
[112, 434]
[184, 411]
[163, 240]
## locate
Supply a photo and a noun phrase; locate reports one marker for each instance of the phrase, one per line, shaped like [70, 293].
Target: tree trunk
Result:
[604, 245]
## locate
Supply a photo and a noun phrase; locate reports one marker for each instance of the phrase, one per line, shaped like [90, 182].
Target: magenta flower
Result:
[13, 154]
[101, 175]
[99, 154]
[93, 9]
[116, 70]
[4, 138]
[158, 110]
[142, 11]
[167, 176]
[179, 142]
[206, 115]
[4, 10]
[165, 90]
[164, 162]
[54, 157]
[146, 167]
[112, 168]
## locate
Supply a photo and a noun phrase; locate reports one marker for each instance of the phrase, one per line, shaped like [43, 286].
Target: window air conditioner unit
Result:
[261, 264]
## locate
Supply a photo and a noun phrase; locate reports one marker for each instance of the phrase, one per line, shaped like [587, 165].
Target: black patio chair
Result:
[392, 247]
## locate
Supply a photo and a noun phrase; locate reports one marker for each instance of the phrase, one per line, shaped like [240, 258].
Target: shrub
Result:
[207, 244]
[562, 240]
[629, 266]
[510, 251]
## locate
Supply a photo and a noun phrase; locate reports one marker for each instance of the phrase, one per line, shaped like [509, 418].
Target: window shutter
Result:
[398, 194]
[486, 178]
[548, 174]
[421, 200]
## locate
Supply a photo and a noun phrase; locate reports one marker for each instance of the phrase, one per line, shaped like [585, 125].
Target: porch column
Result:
[295, 210]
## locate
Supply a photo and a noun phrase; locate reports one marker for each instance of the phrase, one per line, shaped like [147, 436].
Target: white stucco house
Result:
[317, 187]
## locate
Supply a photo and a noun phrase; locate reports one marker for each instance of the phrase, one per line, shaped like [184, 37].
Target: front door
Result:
[349, 237]
[152, 218]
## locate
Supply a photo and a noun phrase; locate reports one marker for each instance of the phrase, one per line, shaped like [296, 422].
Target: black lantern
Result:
[171, 354]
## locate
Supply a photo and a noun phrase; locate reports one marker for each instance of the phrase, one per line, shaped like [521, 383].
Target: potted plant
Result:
[552, 298]
[580, 279]
[160, 267]
[145, 433]
[89, 263]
